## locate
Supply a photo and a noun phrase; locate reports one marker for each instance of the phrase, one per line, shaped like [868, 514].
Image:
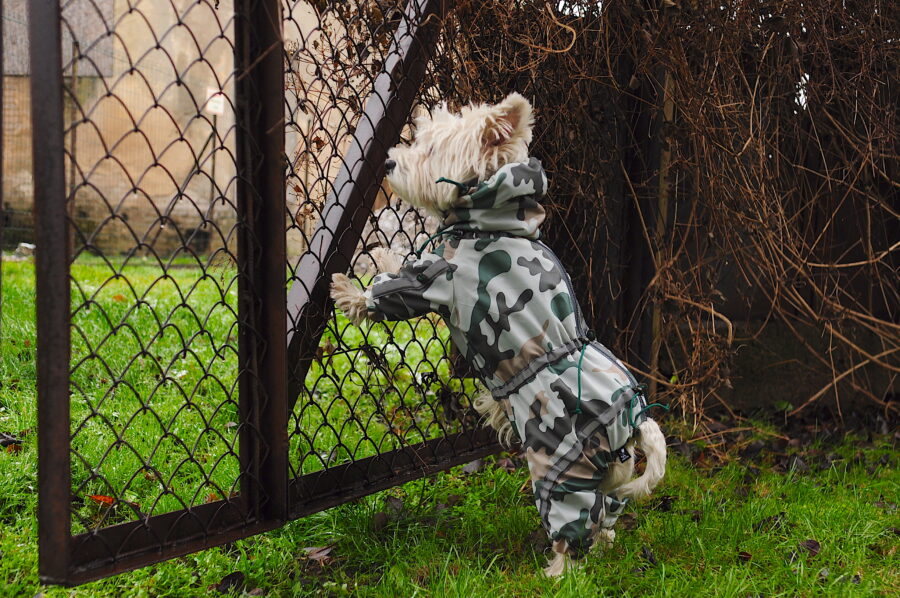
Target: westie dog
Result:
[512, 312]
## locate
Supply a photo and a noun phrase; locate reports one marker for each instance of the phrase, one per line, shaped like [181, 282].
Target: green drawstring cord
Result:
[589, 338]
[639, 391]
[647, 408]
[463, 188]
[440, 232]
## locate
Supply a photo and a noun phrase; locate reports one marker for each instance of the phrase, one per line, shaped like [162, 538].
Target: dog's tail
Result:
[652, 443]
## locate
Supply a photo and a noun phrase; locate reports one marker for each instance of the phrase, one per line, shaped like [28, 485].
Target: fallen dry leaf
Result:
[102, 499]
[451, 500]
[663, 503]
[770, 523]
[811, 546]
[506, 464]
[473, 466]
[6, 440]
[536, 540]
[695, 514]
[379, 521]
[887, 506]
[394, 505]
[319, 554]
[627, 521]
[230, 582]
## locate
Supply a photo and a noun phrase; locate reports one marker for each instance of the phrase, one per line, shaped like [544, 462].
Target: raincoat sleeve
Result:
[422, 286]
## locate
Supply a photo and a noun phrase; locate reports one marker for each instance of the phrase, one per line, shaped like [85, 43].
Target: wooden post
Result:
[662, 219]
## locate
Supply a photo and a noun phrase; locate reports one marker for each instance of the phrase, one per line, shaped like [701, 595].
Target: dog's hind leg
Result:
[575, 513]
[619, 473]
[604, 538]
[559, 563]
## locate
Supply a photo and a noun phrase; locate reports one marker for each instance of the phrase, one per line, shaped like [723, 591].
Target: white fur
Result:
[604, 538]
[470, 145]
[618, 473]
[349, 298]
[385, 260]
[559, 563]
[494, 416]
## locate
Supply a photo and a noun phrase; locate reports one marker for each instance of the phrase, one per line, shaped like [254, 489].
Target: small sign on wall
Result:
[215, 101]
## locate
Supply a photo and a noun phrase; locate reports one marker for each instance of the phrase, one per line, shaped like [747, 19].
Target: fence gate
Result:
[201, 169]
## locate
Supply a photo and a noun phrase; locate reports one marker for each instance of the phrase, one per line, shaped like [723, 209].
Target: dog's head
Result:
[461, 147]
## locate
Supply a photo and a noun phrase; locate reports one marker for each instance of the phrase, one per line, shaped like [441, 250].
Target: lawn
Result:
[804, 510]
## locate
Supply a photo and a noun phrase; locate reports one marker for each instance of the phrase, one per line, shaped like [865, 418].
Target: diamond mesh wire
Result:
[150, 158]
[382, 387]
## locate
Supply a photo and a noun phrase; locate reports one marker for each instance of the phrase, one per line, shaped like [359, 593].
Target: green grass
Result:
[450, 535]
[154, 396]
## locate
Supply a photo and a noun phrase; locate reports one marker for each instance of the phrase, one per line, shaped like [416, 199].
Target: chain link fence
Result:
[369, 394]
[216, 162]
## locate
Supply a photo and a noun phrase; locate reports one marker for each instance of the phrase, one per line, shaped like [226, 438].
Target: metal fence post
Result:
[259, 72]
[53, 303]
[2, 209]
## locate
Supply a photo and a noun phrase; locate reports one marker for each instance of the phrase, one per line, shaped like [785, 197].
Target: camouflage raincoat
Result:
[512, 313]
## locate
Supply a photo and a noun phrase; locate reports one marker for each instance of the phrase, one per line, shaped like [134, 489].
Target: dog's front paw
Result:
[348, 298]
[341, 286]
[385, 260]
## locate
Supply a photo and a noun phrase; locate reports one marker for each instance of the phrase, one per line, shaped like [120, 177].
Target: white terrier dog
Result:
[512, 312]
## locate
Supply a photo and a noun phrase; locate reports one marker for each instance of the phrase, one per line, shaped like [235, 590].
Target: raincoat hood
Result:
[507, 202]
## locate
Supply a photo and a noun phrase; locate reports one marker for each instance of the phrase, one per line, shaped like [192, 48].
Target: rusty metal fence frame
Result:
[277, 338]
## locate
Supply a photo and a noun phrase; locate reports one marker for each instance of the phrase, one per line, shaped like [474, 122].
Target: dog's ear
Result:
[509, 121]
